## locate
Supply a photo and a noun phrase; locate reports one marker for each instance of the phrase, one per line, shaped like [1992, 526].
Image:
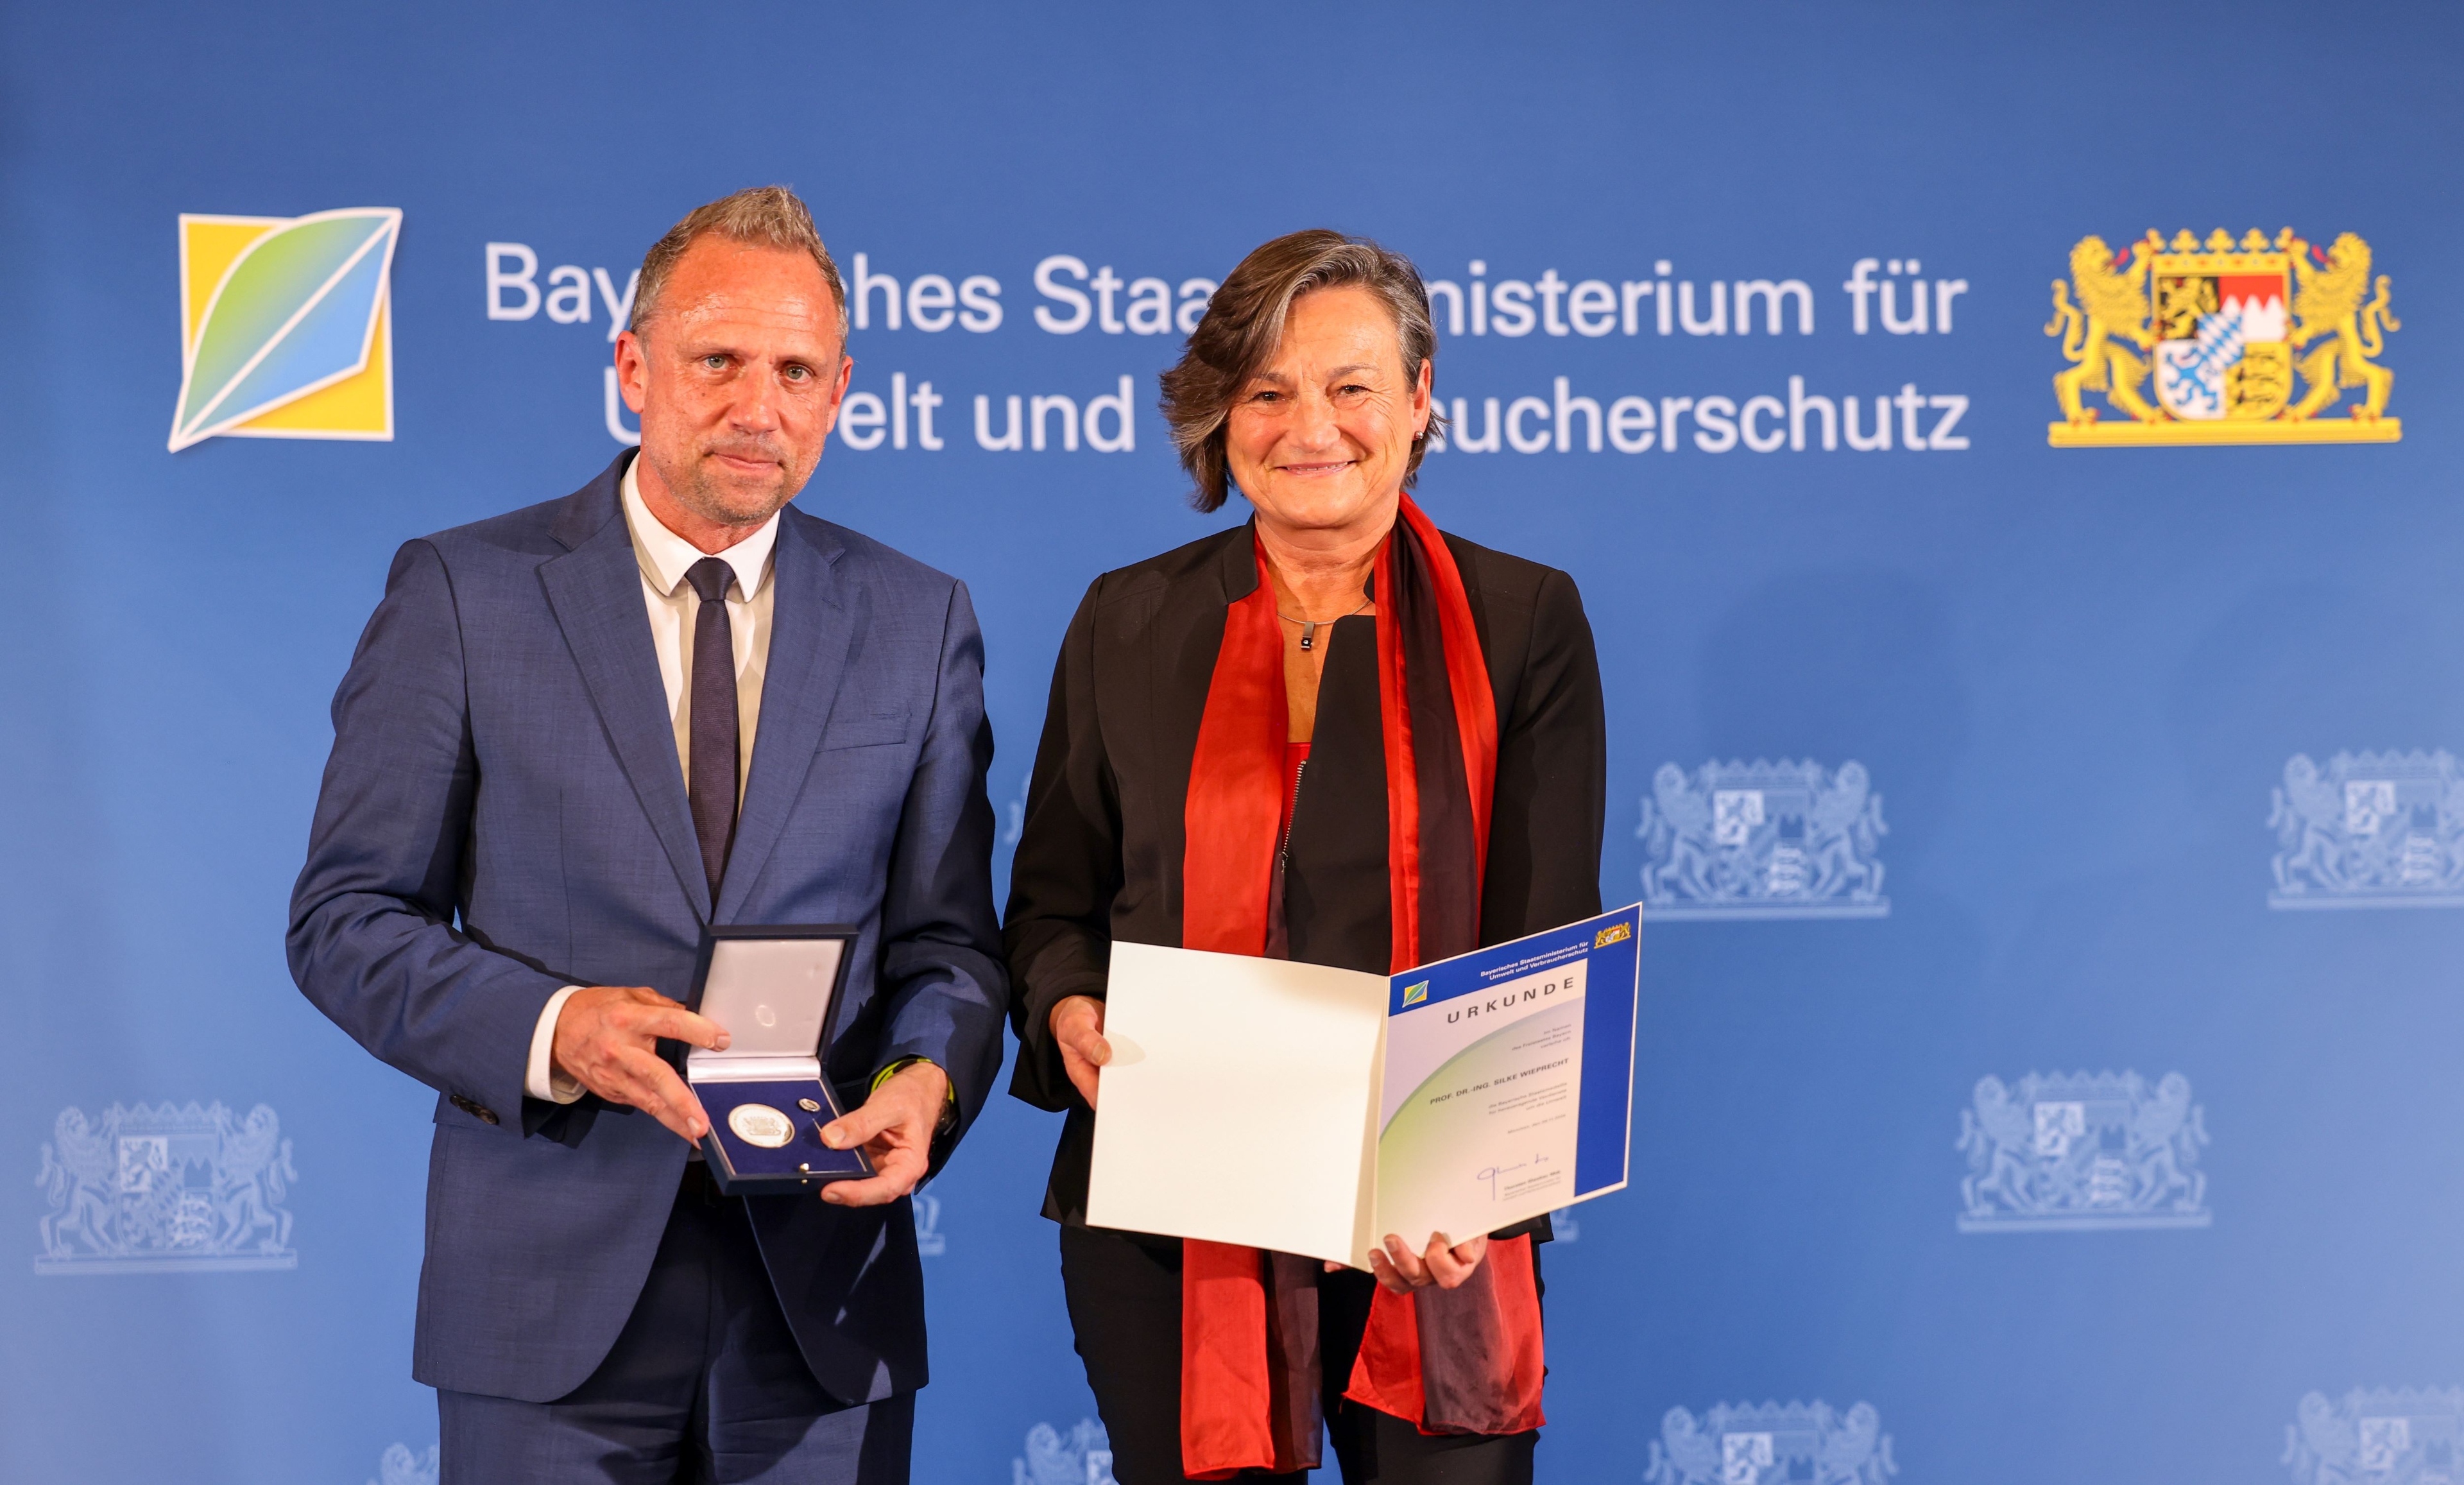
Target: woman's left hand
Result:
[1445, 1264]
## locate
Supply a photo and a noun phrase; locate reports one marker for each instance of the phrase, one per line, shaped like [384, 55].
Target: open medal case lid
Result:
[775, 988]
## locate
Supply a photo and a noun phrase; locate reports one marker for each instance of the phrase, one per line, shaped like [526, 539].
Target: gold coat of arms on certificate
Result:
[2254, 340]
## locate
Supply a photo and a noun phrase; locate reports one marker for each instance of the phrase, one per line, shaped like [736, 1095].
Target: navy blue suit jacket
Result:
[504, 814]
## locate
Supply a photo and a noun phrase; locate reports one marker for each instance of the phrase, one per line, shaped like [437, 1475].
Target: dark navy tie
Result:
[713, 774]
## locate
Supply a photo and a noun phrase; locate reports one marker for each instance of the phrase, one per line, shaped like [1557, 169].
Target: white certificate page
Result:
[1238, 1106]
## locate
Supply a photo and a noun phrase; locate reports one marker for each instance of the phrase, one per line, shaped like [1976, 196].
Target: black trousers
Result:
[1125, 1306]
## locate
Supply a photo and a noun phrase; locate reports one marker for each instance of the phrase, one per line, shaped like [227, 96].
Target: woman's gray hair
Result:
[1244, 322]
[761, 216]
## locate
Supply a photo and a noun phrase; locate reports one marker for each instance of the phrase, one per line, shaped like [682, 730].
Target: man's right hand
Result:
[1077, 1024]
[607, 1039]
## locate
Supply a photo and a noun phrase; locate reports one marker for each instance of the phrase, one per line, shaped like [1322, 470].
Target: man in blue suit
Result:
[571, 737]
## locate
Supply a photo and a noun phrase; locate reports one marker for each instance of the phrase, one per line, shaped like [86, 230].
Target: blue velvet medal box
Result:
[776, 991]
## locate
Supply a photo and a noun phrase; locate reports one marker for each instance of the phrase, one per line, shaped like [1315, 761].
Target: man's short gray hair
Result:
[761, 216]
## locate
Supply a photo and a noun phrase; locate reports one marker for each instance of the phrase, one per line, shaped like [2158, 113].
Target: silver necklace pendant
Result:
[1311, 627]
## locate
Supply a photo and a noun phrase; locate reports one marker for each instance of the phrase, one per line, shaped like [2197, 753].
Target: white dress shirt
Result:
[664, 557]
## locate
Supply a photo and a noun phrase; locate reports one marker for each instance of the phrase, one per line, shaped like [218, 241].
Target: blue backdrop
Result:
[2001, 1112]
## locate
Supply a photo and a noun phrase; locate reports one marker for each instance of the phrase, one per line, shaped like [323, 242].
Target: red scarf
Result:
[1461, 1361]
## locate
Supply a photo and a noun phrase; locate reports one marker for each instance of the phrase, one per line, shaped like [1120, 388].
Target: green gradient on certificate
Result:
[1489, 1139]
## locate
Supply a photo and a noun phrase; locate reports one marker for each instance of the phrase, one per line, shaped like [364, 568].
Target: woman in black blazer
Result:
[1333, 735]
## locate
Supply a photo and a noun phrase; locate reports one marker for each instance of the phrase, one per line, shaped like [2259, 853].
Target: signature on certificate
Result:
[1492, 1174]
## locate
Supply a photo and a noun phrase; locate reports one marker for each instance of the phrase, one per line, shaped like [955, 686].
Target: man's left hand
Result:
[896, 1129]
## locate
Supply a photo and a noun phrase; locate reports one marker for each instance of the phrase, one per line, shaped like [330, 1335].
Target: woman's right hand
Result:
[1077, 1023]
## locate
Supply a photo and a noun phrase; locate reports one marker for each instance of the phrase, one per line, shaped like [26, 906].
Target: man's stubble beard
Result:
[695, 489]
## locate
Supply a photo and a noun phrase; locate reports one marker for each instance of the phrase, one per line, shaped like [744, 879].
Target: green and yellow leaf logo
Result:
[285, 326]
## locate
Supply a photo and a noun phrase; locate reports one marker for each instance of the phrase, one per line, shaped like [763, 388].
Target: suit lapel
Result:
[811, 629]
[596, 590]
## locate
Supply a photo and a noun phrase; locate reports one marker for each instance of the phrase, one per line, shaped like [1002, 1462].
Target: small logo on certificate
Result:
[1614, 933]
[1416, 994]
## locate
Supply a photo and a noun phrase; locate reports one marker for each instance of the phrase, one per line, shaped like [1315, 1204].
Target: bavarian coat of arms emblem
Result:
[401, 1466]
[2400, 1435]
[2080, 1152]
[157, 1190]
[2369, 830]
[1763, 840]
[1772, 1444]
[2226, 329]
[1081, 1457]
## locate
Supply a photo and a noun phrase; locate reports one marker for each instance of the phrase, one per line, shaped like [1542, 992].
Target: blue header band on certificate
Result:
[1481, 970]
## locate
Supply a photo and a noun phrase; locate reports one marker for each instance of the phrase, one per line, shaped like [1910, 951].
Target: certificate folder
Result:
[775, 990]
[1313, 1110]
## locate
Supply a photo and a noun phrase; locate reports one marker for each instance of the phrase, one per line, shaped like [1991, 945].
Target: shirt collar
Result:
[665, 556]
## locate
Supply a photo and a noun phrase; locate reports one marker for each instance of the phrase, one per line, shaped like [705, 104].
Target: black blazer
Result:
[1100, 856]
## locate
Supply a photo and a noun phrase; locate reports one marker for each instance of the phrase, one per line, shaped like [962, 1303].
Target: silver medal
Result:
[808, 1105]
[758, 1123]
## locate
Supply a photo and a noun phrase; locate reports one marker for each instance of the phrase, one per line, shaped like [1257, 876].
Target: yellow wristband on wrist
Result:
[949, 1092]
